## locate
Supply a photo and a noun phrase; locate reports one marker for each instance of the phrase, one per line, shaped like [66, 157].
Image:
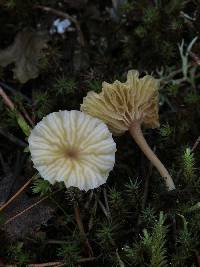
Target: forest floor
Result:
[51, 54]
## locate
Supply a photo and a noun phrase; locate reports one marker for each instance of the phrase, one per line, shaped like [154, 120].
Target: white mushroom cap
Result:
[72, 147]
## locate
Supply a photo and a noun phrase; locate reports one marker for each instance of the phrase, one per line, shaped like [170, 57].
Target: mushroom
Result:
[72, 147]
[125, 107]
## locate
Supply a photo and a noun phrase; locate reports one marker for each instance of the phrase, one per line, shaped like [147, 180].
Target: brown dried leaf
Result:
[25, 53]
[26, 213]
[28, 221]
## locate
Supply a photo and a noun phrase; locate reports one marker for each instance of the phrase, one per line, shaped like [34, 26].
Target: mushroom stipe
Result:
[136, 133]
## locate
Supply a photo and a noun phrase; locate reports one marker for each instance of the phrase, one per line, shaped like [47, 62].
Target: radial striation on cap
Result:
[72, 147]
[120, 104]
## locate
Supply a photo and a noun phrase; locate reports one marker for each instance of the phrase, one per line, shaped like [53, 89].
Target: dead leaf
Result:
[25, 215]
[25, 53]
[28, 221]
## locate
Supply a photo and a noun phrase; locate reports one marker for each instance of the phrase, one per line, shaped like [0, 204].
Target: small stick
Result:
[106, 201]
[24, 211]
[18, 192]
[10, 104]
[30, 207]
[93, 213]
[53, 264]
[196, 144]
[27, 116]
[86, 259]
[81, 228]
[15, 92]
[102, 207]
[6, 99]
[79, 221]
[46, 264]
[86, 206]
[58, 263]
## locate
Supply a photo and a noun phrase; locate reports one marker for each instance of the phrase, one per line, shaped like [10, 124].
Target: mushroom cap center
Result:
[71, 153]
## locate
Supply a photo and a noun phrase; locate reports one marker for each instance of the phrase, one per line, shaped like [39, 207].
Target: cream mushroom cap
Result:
[120, 104]
[126, 106]
[72, 147]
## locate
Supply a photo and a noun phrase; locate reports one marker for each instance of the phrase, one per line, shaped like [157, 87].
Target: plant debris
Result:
[25, 53]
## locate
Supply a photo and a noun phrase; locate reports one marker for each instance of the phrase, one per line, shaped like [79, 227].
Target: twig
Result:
[67, 16]
[27, 116]
[10, 104]
[102, 207]
[6, 99]
[30, 207]
[106, 201]
[18, 192]
[81, 228]
[53, 264]
[86, 206]
[79, 221]
[196, 144]
[59, 263]
[24, 211]
[86, 259]
[12, 138]
[15, 92]
[45, 264]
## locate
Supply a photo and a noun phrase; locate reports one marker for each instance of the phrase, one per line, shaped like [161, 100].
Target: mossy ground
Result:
[132, 220]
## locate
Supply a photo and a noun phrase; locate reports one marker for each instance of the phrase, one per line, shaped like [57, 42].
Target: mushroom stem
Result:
[136, 133]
